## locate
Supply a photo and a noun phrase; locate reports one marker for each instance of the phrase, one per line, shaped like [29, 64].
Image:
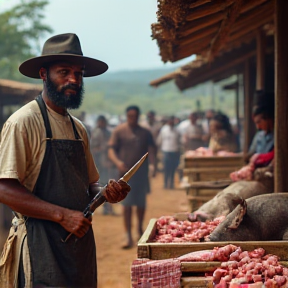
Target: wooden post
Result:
[237, 106]
[249, 88]
[260, 60]
[281, 96]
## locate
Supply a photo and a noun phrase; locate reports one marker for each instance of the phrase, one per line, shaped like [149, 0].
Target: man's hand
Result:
[75, 222]
[116, 191]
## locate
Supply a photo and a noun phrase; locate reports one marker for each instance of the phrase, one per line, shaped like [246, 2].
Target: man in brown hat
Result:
[48, 176]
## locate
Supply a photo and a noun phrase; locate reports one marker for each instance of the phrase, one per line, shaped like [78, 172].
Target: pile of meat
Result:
[242, 267]
[155, 273]
[245, 173]
[169, 230]
[206, 152]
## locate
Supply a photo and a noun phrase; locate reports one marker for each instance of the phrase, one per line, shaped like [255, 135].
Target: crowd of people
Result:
[211, 131]
[171, 138]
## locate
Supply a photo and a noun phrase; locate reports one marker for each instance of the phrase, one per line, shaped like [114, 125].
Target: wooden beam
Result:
[249, 88]
[214, 7]
[244, 25]
[251, 4]
[168, 77]
[194, 26]
[226, 27]
[260, 60]
[220, 5]
[254, 16]
[281, 96]
[198, 3]
[198, 35]
[251, 26]
[214, 69]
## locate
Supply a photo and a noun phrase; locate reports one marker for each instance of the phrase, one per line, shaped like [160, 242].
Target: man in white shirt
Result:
[169, 143]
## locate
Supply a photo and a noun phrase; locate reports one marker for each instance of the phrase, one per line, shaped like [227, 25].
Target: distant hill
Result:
[112, 92]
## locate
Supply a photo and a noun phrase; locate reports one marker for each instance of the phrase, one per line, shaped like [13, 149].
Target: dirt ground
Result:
[114, 262]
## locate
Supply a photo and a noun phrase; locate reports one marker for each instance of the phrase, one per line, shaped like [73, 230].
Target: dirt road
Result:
[114, 262]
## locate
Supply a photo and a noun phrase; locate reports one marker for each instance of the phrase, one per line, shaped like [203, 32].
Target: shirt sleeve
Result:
[15, 155]
[252, 148]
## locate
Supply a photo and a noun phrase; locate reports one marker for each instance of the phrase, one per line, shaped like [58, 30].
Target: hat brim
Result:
[92, 67]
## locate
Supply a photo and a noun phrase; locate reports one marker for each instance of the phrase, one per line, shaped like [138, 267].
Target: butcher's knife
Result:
[99, 198]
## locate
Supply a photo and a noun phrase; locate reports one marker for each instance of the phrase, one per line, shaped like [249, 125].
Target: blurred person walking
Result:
[99, 147]
[128, 143]
[154, 127]
[169, 142]
[194, 133]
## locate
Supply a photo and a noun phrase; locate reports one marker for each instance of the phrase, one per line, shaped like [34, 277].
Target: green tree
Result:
[21, 28]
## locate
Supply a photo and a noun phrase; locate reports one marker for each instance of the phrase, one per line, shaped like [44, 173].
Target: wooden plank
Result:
[214, 161]
[210, 73]
[197, 282]
[191, 38]
[198, 3]
[214, 7]
[249, 89]
[157, 251]
[199, 266]
[260, 60]
[209, 184]
[193, 26]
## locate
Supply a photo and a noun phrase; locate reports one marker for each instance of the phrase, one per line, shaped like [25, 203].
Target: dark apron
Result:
[63, 180]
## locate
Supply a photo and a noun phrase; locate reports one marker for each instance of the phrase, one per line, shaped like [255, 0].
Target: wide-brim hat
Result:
[63, 47]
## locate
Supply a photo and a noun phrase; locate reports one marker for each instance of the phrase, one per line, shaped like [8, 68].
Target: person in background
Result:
[263, 141]
[193, 135]
[48, 176]
[154, 127]
[222, 137]
[99, 147]
[128, 143]
[82, 118]
[209, 114]
[169, 141]
[152, 124]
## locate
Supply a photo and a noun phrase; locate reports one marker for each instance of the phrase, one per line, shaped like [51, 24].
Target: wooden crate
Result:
[209, 173]
[157, 251]
[200, 192]
[193, 273]
[214, 161]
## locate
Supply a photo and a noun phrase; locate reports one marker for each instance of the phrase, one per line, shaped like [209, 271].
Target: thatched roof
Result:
[17, 93]
[221, 33]
[207, 27]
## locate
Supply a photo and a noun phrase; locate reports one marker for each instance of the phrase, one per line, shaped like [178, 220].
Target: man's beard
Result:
[73, 101]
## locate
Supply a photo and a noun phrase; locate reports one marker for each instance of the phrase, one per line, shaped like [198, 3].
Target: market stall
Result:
[205, 176]
[210, 29]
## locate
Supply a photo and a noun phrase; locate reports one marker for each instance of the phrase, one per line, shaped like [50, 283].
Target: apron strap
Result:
[42, 107]
[76, 134]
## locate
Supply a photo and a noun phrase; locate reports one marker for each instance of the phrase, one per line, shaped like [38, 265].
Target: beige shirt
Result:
[23, 143]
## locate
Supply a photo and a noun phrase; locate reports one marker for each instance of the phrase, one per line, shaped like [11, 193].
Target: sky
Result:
[117, 32]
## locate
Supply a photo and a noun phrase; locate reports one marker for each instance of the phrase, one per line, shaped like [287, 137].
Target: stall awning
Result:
[17, 93]
[207, 27]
